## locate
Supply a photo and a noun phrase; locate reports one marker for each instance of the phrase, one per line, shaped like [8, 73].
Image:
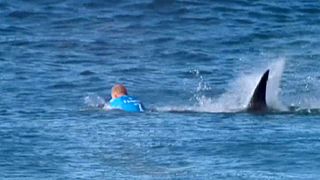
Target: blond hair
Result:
[119, 89]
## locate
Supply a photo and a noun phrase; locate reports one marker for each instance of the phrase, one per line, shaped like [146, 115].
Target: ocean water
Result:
[194, 64]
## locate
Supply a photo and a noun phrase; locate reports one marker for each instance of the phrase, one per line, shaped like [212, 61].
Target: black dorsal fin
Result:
[258, 99]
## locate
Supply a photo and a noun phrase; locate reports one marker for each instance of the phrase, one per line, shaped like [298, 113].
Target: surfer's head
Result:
[118, 90]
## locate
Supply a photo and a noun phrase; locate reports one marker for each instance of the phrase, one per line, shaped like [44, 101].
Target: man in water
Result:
[121, 100]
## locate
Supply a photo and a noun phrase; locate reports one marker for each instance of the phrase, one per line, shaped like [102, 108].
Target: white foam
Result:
[273, 87]
[93, 100]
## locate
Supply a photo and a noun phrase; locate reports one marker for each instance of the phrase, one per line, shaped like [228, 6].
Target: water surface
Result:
[193, 64]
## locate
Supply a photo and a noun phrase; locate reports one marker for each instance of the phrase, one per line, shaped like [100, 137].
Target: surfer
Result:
[122, 101]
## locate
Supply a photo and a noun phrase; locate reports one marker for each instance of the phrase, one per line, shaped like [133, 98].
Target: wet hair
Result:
[119, 89]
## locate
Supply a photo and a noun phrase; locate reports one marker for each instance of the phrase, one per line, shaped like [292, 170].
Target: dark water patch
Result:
[173, 11]
[4, 112]
[30, 112]
[87, 73]
[25, 94]
[192, 42]
[70, 21]
[189, 4]
[200, 20]
[60, 11]
[227, 10]
[13, 29]
[21, 14]
[32, 17]
[300, 33]
[282, 19]
[298, 43]
[103, 20]
[315, 10]
[100, 52]
[95, 79]
[133, 6]
[19, 43]
[62, 44]
[22, 78]
[128, 17]
[63, 24]
[159, 40]
[258, 16]
[137, 70]
[63, 85]
[102, 42]
[265, 35]
[244, 21]
[237, 41]
[66, 56]
[160, 3]
[101, 4]
[277, 9]
[170, 7]
[47, 2]
[301, 20]
[4, 6]
[163, 24]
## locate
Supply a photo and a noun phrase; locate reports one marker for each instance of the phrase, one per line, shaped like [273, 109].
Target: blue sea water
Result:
[194, 64]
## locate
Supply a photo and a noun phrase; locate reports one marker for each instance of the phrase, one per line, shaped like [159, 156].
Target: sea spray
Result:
[235, 99]
[93, 100]
[309, 97]
[273, 87]
[239, 92]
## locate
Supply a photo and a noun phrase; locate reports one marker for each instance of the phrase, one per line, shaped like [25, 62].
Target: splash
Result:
[309, 95]
[94, 101]
[235, 99]
[239, 92]
[273, 87]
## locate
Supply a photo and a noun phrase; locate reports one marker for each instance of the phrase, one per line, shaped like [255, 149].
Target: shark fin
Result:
[258, 99]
